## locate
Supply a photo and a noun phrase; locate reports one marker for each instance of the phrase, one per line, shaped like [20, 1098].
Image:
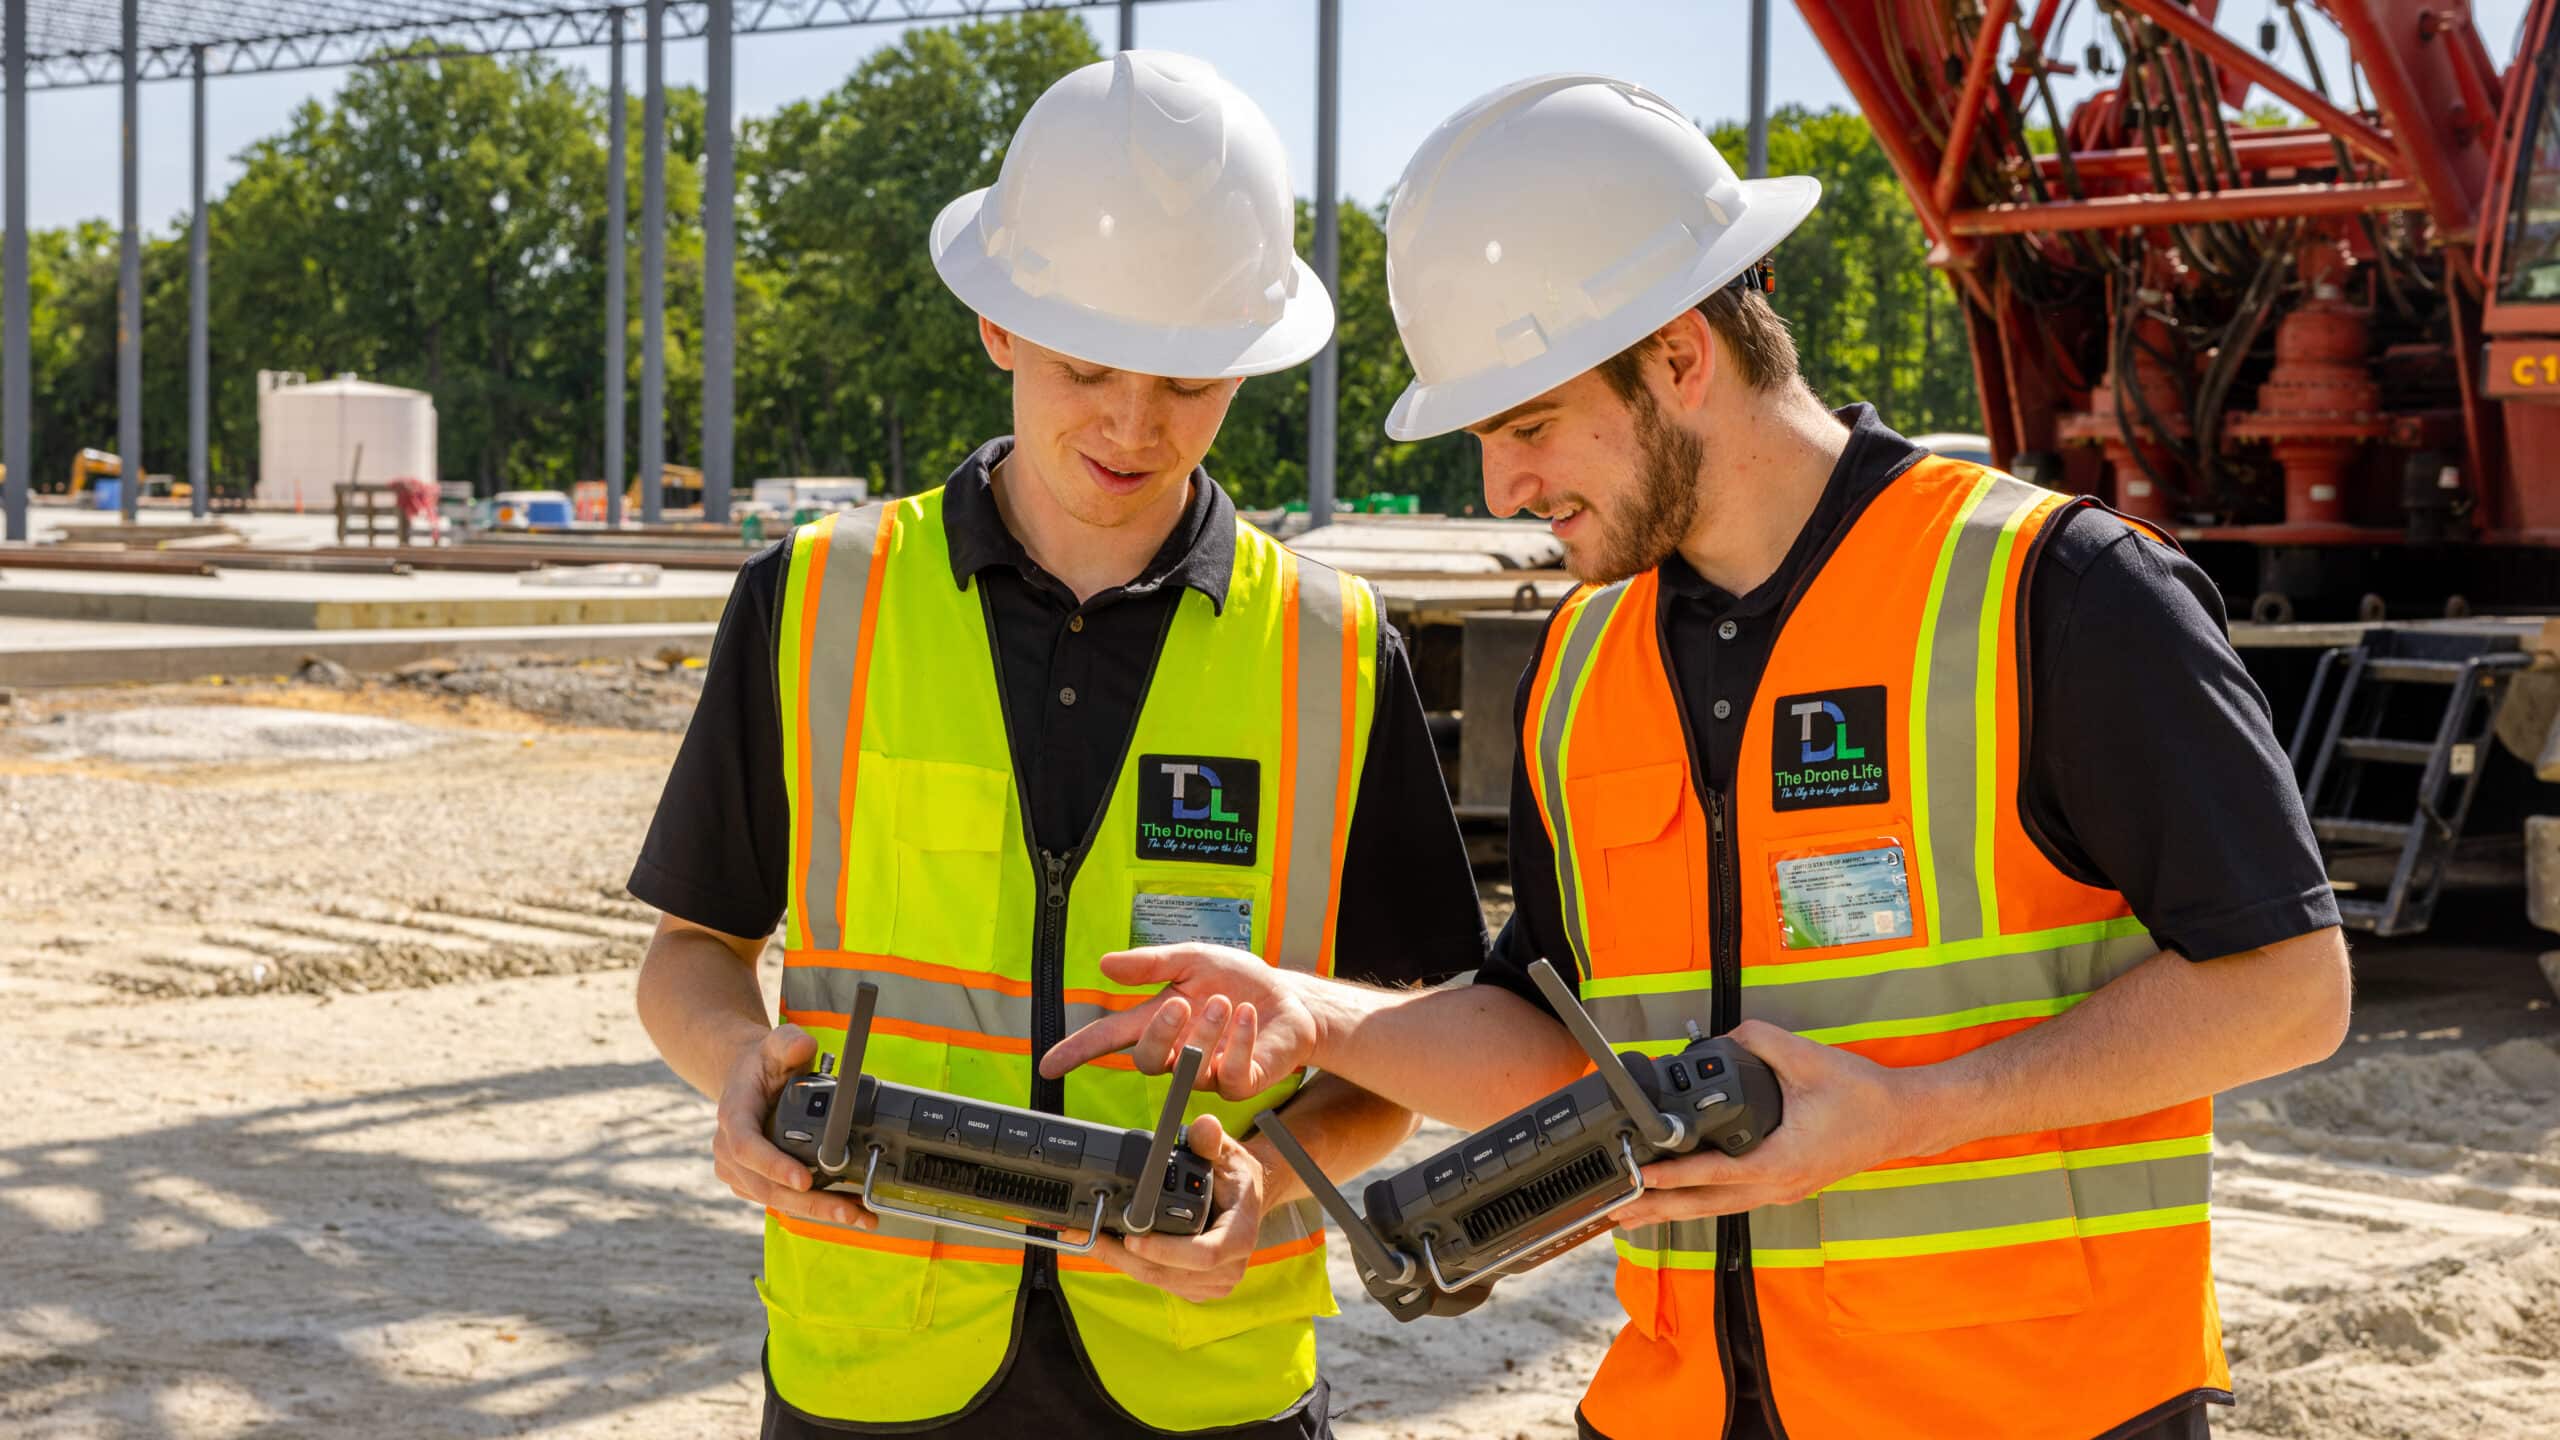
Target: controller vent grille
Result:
[1549, 1192]
[986, 1182]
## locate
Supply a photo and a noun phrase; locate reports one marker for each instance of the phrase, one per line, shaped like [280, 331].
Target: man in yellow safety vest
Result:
[963, 744]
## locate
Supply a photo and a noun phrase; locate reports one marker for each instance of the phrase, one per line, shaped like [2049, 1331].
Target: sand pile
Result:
[2479, 1128]
[2465, 1346]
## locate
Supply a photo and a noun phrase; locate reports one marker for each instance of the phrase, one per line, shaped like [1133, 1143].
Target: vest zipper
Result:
[1048, 1009]
[1740, 1327]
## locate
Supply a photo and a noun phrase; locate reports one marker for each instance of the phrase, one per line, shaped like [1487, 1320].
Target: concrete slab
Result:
[288, 600]
[39, 653]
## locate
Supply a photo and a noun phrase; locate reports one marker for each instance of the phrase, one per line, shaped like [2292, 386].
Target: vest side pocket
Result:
[1626, 829]
[869, 1291]
[1284, 1292]
[1990, 1251]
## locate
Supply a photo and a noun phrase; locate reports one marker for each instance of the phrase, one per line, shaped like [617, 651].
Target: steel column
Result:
[653, 264]
[199, 364]
[1128, 24]
[1324, 381]
[1757, 164]
[16, 387]
[130, 475]
[719, 270]
[617, 311]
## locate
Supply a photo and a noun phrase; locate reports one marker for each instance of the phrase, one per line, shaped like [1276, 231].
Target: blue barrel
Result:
[109, 493]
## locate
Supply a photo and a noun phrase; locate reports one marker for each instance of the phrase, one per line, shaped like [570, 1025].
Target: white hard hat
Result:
[1143, 220]
[1552, 224]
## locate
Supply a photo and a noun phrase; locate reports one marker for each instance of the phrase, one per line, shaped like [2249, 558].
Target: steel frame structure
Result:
[68, 43]
[71, 43]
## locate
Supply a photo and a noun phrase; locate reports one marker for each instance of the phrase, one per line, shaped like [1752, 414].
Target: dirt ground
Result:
[323, 1112]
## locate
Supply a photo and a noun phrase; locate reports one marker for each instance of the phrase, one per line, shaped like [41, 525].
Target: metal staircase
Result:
[2354, 770]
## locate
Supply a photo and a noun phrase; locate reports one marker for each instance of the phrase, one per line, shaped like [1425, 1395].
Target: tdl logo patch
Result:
[1198, 807]
[1828, 749]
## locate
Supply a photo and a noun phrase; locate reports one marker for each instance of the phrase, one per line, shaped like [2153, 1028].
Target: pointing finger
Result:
[1117, 1031]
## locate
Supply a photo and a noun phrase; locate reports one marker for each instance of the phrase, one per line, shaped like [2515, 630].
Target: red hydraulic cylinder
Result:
[2319, 404]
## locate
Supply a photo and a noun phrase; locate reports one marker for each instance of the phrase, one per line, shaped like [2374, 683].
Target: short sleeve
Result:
[718, 850]
[2153, 767]
[1409, 913]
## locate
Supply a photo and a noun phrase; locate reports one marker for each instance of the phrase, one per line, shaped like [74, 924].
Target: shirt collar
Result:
[1873, 456]
[1200, 553]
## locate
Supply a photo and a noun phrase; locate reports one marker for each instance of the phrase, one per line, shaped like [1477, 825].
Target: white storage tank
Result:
[315, 435]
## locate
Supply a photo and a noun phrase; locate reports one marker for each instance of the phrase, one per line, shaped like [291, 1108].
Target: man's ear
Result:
[1688, 349]
[998, 340]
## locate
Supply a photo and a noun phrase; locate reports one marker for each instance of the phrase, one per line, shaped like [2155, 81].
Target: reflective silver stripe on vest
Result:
[829, 699]
[1630, 1018]
[1320, 701]
[1285, 1225]
[1590, 620]
[830, 989]
[1952, 989]
[1956, 726]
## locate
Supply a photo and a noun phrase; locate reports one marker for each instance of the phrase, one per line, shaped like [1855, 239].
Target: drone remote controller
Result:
[992, 1169]
[1524, 1190]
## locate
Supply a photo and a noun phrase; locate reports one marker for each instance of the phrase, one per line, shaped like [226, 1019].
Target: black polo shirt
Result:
[1072, 677]
[2152, 767]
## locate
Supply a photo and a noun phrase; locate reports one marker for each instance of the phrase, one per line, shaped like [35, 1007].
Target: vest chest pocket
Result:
[1636, 854]
[944, 853]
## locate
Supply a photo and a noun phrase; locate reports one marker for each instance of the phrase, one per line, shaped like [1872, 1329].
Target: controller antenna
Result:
[1659, 1130]
[1139, 1216]
[832, 1156]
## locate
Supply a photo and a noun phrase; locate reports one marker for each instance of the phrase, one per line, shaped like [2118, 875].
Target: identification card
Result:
[1173, 919]
[1849, 897]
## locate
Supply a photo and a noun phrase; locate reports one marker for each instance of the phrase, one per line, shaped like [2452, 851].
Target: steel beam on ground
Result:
[1324, 383]
[16, 388]
[133, 473]
[719, 271]
[199, 366]
[617, 313]
[653, 265]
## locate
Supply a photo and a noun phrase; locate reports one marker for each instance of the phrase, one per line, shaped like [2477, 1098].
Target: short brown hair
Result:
[1748, 326]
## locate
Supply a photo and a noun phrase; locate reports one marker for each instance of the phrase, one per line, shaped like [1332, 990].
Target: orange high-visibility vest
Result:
[1867, 882]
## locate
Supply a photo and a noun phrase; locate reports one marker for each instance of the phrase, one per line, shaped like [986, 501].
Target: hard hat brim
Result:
[1180, 352]
[1778, 205]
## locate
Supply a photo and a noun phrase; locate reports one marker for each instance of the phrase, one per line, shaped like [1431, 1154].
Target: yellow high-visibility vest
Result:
[913, 868]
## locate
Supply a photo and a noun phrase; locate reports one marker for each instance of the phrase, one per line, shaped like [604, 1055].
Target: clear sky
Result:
[1405, 64]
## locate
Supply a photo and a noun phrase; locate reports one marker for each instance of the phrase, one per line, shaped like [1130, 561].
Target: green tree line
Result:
[441, 224]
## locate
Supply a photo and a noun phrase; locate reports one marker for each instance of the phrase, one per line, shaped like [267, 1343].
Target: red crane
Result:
[2327, 355]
